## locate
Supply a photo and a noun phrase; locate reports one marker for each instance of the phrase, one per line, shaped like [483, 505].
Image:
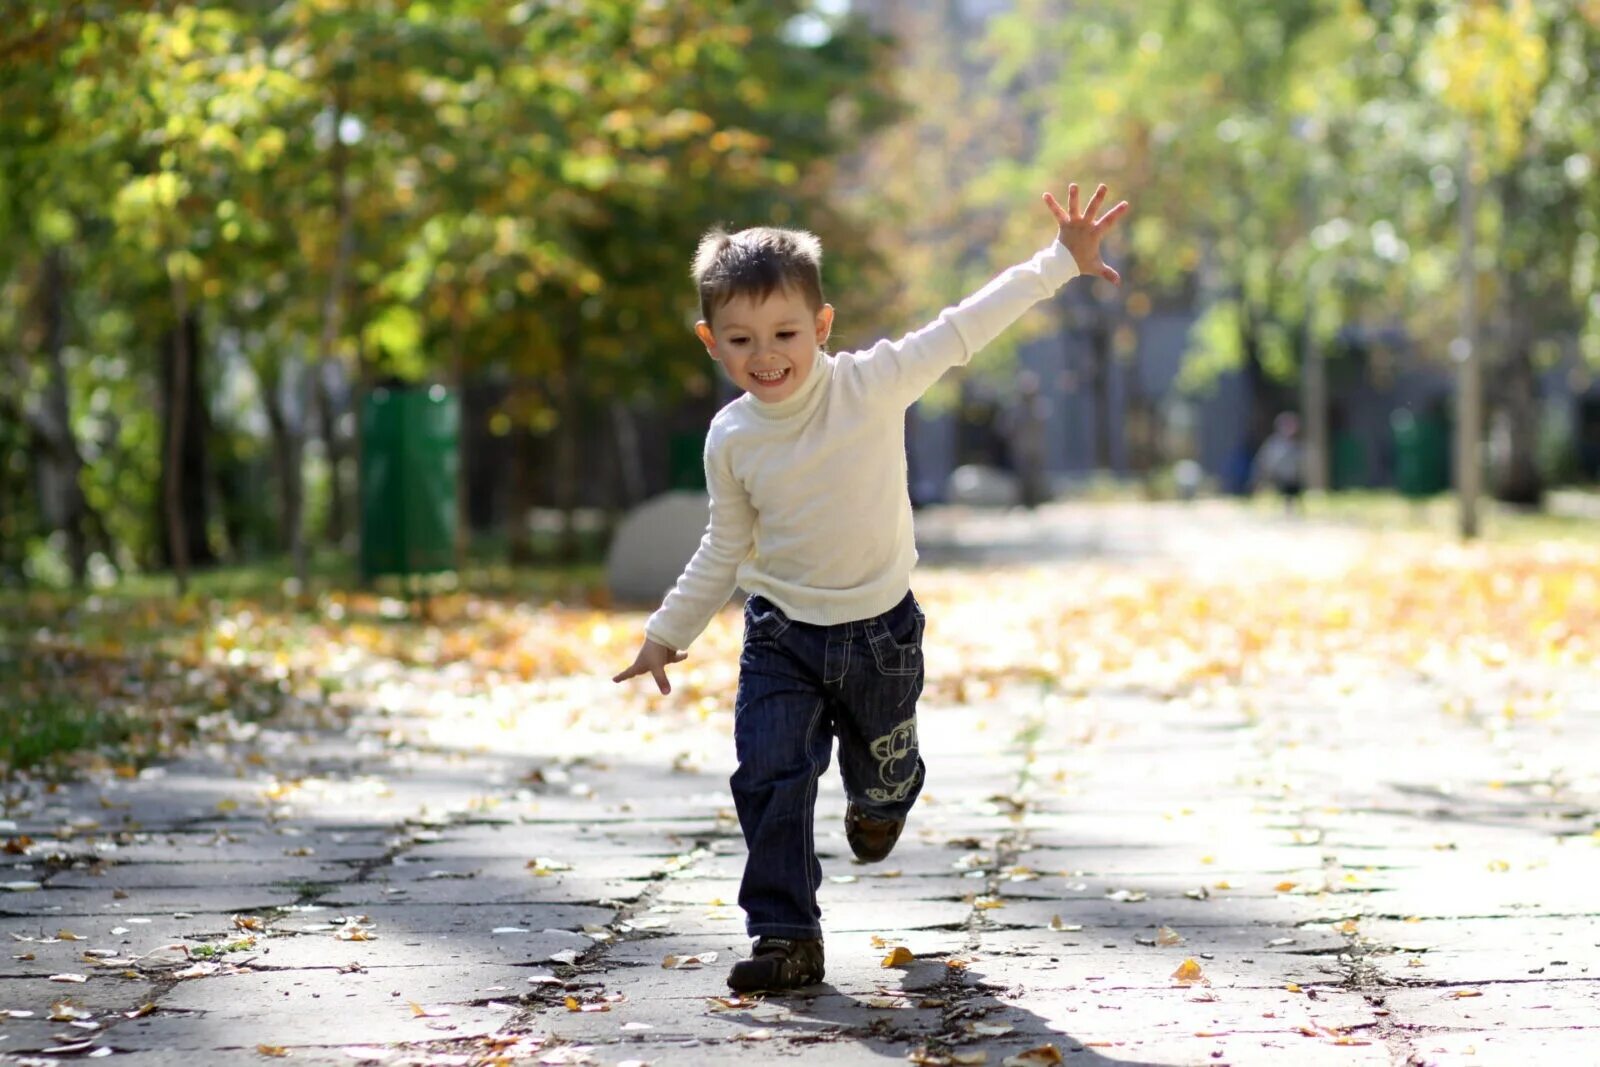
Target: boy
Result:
[810, 514]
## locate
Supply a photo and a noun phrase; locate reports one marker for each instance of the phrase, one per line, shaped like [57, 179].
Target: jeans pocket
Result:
[897, 642]
[763, 620]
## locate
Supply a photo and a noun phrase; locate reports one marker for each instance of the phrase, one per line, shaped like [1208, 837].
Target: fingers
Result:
[679, 657]
[1055, 208]
[1095, 201]
[1110, 275]
[629, 673]
[1110, 218]
[1072, 202]
[661, 680]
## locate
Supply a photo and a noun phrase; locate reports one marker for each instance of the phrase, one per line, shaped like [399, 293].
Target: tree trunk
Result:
[53, 311]
[630, 468]
[519, 540]
[458, 375]
[180, 408]
[284, 461]
[1518, 477]
[337, 525]
[313, 388]
[1516, 379]
[568, 436]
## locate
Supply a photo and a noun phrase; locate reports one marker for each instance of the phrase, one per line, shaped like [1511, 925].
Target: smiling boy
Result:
[810, 514]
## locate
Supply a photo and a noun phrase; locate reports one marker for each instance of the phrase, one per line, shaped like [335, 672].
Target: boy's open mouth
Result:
[770, 377]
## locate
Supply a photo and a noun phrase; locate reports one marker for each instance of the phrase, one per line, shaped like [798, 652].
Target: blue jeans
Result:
[801, 685]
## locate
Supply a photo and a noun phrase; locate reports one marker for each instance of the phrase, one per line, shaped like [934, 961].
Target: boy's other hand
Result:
[1082, 233]
[653, 659]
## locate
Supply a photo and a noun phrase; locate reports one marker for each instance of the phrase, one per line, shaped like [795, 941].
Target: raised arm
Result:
[898, 372]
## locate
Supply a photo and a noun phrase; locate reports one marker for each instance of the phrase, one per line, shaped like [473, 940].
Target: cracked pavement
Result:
[1326, 869]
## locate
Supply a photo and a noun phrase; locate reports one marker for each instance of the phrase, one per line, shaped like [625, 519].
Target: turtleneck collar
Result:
[803, 398]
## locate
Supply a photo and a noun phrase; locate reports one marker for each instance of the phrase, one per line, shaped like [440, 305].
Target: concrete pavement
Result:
[1334, 870]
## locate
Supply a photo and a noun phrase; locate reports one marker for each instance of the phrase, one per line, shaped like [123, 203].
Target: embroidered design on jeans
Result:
[892, 752]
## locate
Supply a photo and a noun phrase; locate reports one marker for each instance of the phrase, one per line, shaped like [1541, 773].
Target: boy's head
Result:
[761, 307]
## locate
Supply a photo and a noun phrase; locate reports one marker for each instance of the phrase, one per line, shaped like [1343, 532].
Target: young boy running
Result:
[810, 514]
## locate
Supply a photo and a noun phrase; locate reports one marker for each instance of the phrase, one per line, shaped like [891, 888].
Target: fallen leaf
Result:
[1461, 993]
[419, 1012]
[1293, 987]
[69, 978]
[1284, 887]
[988, 1029]
[898, 956]
[1166, 935]
[68, 935]
[683, 963]
[1057, 924]
[1042, 1056]
[275, 1051]
[1189, 972]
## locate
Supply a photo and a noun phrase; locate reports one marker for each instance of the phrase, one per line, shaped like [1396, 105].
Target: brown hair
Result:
[757, 263]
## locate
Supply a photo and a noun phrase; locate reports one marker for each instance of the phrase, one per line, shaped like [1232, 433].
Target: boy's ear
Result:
[824, 324]
[702, 330]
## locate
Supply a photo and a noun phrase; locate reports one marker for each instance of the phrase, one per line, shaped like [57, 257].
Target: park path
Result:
[1331, 867]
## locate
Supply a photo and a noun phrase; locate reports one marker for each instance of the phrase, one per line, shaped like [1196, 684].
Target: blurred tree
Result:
[326, 193]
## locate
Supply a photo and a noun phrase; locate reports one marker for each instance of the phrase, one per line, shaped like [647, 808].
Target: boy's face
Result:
[767, 345]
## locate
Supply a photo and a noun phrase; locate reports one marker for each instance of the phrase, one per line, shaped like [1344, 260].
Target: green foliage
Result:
[423, 190]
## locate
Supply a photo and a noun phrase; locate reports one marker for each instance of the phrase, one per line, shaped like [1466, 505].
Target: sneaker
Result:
[778, 963]
[871, 838]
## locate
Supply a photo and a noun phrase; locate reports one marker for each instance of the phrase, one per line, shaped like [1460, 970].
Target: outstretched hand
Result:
[1082, 233]
[653, 659]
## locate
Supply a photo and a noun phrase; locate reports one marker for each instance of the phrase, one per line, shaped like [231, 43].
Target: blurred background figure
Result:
[1280, 461]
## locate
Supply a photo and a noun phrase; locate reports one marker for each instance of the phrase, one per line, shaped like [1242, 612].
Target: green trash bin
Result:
[686, 461]
[410, 461]
[1421, 454]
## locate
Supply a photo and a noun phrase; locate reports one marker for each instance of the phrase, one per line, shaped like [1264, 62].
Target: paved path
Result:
[1340, 870]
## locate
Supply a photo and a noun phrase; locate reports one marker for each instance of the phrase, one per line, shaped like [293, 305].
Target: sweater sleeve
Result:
[712, 573]
[901, 371]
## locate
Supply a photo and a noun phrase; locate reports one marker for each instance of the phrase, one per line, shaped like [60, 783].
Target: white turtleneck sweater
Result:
[809, 502]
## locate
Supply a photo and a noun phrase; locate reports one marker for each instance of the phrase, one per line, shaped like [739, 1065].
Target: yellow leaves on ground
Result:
[1351, 606]
[898, 956]
[1042, 1056]
[275, 1051]
[1188, 973]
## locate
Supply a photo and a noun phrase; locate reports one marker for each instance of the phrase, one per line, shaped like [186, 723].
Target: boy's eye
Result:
[784, 335]
[737, 340]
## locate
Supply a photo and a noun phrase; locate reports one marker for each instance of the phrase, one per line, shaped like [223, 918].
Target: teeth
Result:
[770, 376]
